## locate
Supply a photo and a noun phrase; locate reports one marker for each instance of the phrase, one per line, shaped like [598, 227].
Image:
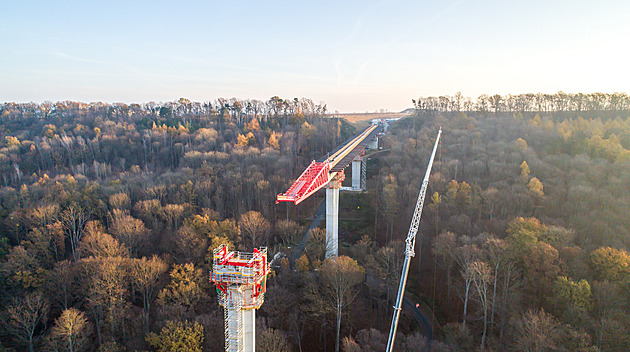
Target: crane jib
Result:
[410, 245]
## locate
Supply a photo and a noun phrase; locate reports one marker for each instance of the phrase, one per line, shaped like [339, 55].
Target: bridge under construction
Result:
[240, 278]
[328, 172]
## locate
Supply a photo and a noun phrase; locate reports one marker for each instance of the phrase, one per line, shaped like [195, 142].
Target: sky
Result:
[355, 56]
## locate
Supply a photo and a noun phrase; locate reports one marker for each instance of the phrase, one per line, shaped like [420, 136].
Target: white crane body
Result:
[410, 244]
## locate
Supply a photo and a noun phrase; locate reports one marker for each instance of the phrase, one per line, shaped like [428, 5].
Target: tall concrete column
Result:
[249, 330]
[356, 173]
[332, 218]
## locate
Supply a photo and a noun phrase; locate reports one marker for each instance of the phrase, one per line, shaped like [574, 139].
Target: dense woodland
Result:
[110, 212]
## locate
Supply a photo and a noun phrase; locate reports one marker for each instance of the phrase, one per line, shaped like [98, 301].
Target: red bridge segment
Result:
[320, 172]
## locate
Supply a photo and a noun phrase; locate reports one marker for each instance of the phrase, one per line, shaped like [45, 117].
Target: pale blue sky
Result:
[353, 55]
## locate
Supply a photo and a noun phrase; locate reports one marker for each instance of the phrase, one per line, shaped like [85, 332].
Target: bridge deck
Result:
[317, 174]
[358, 149]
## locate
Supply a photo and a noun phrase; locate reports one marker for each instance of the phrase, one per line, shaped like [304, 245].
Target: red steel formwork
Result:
[241, 285]
[312, 179]
[319, 173]
[240, 269]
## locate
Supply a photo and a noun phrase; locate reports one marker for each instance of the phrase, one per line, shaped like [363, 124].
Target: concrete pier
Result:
[332, 218]
[356, 173]
[249, 330]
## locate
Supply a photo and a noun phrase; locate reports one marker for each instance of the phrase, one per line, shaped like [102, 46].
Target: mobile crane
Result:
[410, 244]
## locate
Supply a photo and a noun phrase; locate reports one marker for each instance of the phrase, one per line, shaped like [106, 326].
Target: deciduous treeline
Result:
[110, 212]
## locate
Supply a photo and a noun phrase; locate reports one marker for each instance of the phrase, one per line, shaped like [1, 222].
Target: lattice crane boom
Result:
[410, 247]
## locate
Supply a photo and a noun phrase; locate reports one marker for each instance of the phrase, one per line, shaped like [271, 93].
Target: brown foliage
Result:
[120, 201]
[272, 340]
[287, 230]
[96, 243]
[541, 267]
[254, 228]
[128, 230]
[145, 275]
[190, 245]
[185, 287]
[106, 286]
[172, 214]
[71, 331]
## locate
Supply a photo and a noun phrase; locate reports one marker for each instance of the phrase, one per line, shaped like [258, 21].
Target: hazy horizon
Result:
[353, 56]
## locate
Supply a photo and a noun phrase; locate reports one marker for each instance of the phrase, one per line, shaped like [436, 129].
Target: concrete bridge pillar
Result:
[356, 173]
[332, 216]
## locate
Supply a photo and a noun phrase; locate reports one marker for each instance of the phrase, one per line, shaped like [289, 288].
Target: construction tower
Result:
[241, 284]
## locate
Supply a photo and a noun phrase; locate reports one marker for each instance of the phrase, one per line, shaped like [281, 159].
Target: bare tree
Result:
[605, 304]
[390, 262]
[149, 211]
[287, 230]
[172, 213]
[340, 276]
[61, 283]
[73, 220]
[481, 275]
[107, 285]
[511, 279]
[272, 340]
[444, 247]
[536, 331]
[465, 256]
[25, 317]
[145, 274]
[316, 246]
[254, 226]
[496, 254]
[189, 244]
[390, 201]
[44, 217]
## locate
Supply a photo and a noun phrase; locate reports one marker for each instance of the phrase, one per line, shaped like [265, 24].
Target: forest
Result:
[110, 212]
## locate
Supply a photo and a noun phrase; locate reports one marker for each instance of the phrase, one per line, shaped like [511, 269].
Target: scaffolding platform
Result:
[241, 281]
